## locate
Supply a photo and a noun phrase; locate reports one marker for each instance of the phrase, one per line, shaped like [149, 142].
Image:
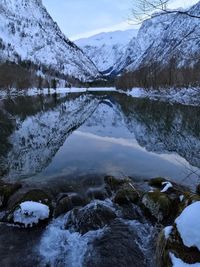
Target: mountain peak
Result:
[34, 36]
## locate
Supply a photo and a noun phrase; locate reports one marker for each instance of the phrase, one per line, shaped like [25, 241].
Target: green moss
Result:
[158, 204]
[6, 191]
[115, 183]
[126, 194]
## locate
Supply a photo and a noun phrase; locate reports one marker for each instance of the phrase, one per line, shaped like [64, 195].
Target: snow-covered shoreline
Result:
[185, 96]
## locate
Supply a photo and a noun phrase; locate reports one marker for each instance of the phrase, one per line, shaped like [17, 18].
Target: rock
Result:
[97, 193]
[77, 200]
[116, 246]
[114, 183]
[6, 191]
[63, 205]
[157, 182]
[35, 195]
[30, 213]
[67, 202]
[198, 189]
[173, 244]
[157, 204]
[91, 217]
[126, 194]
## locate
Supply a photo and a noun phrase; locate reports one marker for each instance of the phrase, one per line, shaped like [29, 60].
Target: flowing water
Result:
[60, 140]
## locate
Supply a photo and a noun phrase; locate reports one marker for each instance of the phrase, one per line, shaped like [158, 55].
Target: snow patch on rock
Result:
[30, 213]
[188, 225]
[167, 186]
[167, 231]
[179, 263]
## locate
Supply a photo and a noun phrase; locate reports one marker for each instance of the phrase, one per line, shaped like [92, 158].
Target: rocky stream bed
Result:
[120, 223]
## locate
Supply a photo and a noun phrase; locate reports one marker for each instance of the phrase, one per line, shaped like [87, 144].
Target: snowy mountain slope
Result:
[163, 39]
[105, 49]
[28, 32]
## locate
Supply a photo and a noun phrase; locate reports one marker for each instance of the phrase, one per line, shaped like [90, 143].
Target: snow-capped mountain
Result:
[171, 38]
[27, 32]
[105, 49]
[164, 38]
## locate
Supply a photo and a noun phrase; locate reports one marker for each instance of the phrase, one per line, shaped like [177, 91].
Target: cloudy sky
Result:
[82, 18]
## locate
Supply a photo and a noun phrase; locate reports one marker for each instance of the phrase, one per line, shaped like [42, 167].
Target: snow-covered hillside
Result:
[27, 32]
[163, 39]
[105, 49]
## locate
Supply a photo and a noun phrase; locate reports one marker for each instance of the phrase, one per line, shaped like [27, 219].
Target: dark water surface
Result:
[58, 140]
[49, 136]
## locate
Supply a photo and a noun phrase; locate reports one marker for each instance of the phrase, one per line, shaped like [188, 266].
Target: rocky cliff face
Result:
[27, 32]
[166, 38]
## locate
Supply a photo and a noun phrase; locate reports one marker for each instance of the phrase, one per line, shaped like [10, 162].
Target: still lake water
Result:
[48, 138]
[61, 140]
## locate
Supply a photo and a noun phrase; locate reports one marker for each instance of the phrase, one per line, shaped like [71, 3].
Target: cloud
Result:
[83, 18]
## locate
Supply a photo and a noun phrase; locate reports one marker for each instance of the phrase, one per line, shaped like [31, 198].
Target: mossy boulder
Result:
[114, 183]
[37, 195]
[126, 194]
[173, 244]
[187, 199]
[158, 205]
[6, 191]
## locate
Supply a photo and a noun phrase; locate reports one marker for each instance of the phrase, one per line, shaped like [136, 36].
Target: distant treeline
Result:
[26, 74]
[156, 77]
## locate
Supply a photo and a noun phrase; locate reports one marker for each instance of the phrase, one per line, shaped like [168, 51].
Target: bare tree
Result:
[143, 9]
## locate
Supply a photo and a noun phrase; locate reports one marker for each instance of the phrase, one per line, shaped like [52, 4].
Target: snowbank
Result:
[188, 225]
[179, 263]
[30, 213]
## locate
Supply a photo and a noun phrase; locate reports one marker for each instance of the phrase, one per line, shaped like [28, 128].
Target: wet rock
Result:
[91, 217]
[67, 202]
[77, 200]
[37, 195]
[63, 205]
[157, 204]
[97, 193]
[126, 194]
[6, 191]
[131, 212]
[174, 244]
[117, 246]
[157, 182]
[198, 189]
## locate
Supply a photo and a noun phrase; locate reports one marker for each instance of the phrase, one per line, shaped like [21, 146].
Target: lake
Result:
[52, 137]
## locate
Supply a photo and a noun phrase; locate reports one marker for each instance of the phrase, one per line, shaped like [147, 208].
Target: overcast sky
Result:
[82, 18]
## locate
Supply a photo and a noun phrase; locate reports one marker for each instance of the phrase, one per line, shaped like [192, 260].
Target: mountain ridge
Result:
[27, 32]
